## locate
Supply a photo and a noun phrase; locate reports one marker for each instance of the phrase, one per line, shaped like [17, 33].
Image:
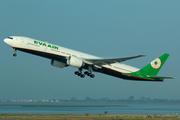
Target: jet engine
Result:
[56, 63]
[75, 62]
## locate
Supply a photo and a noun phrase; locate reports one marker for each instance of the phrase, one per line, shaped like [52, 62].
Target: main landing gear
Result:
[14, 52]
[79, 73]
[88, 73]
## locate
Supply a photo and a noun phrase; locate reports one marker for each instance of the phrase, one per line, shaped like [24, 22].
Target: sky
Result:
[104, 28]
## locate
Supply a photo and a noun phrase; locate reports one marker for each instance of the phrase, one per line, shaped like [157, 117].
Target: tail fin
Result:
[150, 71]
[154, 66]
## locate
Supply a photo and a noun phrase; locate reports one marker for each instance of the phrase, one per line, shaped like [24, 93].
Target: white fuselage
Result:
[45, 47]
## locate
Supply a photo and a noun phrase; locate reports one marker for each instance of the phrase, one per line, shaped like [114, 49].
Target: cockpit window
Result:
[10, 37]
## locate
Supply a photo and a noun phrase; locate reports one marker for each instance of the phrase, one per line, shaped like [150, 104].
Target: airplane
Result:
[63, 57]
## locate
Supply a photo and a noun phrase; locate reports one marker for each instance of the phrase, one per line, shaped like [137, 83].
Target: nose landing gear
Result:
[14, 52]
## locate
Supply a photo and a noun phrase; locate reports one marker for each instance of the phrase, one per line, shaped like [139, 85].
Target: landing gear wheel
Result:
[86, 72]
[92, 75]
[82, 75]
[79, 74]
[76, 72]
[14, 54]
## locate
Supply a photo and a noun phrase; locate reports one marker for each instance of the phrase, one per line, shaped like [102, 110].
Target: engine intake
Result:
[75, 62]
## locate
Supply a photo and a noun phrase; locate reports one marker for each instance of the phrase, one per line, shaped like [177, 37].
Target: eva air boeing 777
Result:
[63, 57]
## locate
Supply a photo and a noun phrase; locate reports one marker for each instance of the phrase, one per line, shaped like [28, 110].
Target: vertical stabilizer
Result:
[154, 66]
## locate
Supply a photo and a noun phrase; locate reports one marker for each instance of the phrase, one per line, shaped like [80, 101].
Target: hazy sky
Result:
[109, 29]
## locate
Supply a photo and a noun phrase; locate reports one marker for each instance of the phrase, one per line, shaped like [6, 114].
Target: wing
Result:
[109, 61]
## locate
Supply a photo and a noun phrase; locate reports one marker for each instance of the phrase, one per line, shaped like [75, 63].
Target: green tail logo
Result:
[156, 63]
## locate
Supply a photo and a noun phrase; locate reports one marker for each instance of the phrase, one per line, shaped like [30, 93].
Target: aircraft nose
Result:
[5, 40]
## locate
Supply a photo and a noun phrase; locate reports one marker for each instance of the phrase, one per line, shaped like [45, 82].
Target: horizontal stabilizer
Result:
[161, 77]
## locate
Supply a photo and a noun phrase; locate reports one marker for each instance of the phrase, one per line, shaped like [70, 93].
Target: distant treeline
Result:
[129, 100]
[103, 100]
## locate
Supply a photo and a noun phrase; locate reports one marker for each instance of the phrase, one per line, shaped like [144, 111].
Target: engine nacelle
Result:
[75, 62]
[56, 63]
